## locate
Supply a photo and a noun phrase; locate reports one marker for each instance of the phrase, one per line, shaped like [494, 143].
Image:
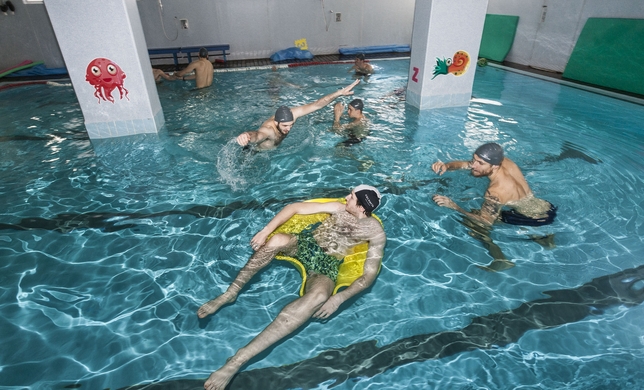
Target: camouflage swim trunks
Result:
[313, 257]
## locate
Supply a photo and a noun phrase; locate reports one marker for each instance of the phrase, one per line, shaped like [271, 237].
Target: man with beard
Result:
[508, 188]
[273, 131]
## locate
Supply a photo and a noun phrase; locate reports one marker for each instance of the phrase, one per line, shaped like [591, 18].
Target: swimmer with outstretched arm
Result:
[275, 129]
[507, 188]
[321, 250]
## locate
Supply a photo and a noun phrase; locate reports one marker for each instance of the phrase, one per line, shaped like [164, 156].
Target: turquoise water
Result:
[108, 248]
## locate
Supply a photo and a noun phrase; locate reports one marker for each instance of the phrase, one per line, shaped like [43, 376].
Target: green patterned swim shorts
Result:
[313, 257]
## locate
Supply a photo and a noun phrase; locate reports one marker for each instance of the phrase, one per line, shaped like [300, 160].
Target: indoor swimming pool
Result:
[109, 247]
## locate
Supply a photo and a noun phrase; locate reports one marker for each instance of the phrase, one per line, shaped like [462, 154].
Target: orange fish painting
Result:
[456, 65]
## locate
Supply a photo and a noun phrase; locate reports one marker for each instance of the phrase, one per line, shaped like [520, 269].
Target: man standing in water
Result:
[321, 251]
[361, 67]
[357, 128]
[275, 129]
[203, 70]
[507, 187]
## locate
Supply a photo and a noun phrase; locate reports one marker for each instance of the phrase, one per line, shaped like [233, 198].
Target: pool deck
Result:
[546, 75]
[230, 65]
[266, 62]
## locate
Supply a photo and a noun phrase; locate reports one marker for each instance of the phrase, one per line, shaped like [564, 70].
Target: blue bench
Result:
[175, 51]
[375, 49]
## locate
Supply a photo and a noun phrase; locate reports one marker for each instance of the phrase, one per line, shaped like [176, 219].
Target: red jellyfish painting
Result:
[105, 76]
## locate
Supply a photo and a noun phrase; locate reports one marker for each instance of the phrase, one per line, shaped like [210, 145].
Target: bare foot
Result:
[213, 305]
[220, 378]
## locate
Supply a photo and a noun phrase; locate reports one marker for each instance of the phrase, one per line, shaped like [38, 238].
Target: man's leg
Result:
[482, 234]
[278, 243]
[318, 289]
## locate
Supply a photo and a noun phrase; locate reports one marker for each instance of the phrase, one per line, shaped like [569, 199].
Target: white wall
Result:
[27, 35]
[548, 44]
[259, 28]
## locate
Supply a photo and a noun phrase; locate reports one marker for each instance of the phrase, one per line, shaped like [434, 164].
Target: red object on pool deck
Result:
[23, 63]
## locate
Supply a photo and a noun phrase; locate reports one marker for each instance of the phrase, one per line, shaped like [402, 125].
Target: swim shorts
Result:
[514, 218]
[314, 258]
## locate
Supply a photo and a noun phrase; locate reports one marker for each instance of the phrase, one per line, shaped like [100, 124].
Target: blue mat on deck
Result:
[38, 70]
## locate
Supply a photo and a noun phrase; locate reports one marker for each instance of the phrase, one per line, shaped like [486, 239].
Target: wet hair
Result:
[360, 56]
[357, 104]
[283, 114]
[203, 52]
[367, 213]
[491, 153]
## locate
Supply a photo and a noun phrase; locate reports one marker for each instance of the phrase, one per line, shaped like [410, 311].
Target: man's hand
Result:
[444, 201]
[258, 240]
[338, 108]
[243, 139]
[329, 307]
[348, 90]
[439, 167]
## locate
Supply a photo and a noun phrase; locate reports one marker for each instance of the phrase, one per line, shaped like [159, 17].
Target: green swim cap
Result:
[491, 153]
[283, 114]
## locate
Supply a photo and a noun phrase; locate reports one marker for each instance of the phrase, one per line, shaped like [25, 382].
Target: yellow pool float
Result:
[352, 266]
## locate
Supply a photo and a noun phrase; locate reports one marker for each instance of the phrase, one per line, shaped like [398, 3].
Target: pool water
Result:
[109, 247]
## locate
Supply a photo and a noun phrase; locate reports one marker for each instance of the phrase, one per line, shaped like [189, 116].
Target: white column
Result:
[444, 49]
[106, 56]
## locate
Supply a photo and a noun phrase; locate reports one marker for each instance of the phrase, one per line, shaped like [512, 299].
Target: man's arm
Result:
[254, 137]
[370, 272]
[290, 210]
[338, 109]
[441, 167]
[322, 102]
[190, 68]
[159, 73]
[489, 212]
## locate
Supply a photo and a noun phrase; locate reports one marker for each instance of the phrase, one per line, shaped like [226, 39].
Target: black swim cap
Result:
[283, 114]
[368, 196]
[357, 104]
[360, 56]
[491, 153]
[203, 52]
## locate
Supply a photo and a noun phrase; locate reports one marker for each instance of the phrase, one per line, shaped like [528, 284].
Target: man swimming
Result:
[275, 129]
[507, 187]
[356, 129]
[202, 68]
[361, 66]
[321, 250]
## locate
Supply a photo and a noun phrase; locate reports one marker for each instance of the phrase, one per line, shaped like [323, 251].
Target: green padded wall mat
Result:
[498, 36]
[609, 53]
